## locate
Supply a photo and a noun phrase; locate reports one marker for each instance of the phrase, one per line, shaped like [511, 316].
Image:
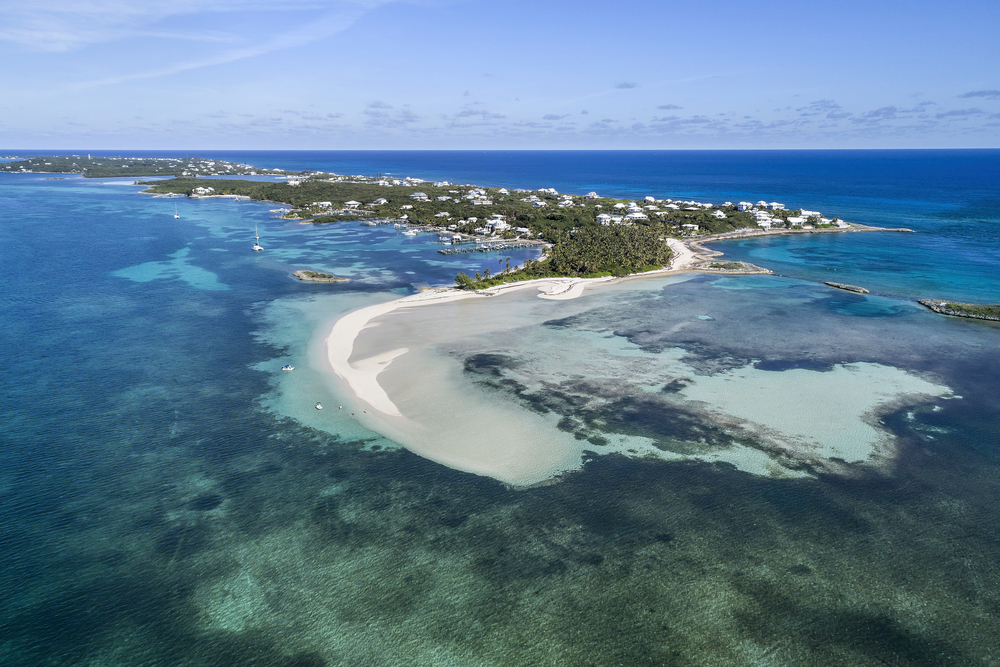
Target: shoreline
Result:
[361, 376]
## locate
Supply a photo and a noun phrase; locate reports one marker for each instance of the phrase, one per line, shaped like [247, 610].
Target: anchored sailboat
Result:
[176, 214]
[256, 247]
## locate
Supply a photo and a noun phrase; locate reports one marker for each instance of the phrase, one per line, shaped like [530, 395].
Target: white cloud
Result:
[340, 18]
[63, 25]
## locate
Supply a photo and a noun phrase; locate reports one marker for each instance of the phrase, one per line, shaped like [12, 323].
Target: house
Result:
[380, 201]
[442, 214]
[775, 206]
[323, 204]
[503, 191]
[718, 214]
[810, 214]
[794, 221]
[637, 216]
[651, 200]
[482, 202]
[619, 206]
[406, 207]
[419, 196]
[352, 204]
[442, 198]
[591, 195]
[539, 204]
[675, 207]
[744, 206]
[604, 219]
[523, 231]
[762, 203]
[690, 227]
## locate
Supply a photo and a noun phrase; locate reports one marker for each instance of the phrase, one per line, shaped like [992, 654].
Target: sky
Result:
[477, 74]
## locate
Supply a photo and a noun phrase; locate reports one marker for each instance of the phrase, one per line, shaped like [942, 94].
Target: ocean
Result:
[742, 469]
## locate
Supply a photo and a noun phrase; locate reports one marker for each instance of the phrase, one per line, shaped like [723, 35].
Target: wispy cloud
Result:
[989, 94]
[959, 113]
[669, 107]
[625, 85]
[62, 25]
[379, 114]
[554, 116]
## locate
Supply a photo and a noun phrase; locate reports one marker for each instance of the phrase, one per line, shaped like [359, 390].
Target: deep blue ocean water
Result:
[153, 504]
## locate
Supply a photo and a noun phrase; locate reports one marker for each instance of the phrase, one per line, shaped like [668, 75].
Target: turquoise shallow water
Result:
[161, 507]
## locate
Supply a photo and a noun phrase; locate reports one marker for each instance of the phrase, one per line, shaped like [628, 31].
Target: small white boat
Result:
[410, 232]
[319, 406]
[288, 367]
[256, 247]
[176, 214]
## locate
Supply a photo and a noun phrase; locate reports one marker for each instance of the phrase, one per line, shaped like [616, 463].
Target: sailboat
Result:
[176, 214]
[256, 247]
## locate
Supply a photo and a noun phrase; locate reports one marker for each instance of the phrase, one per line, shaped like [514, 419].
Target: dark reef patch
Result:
[780, 365]
[206, 502]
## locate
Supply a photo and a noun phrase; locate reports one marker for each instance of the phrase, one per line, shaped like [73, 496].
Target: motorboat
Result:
[319, 406]
[288, 367]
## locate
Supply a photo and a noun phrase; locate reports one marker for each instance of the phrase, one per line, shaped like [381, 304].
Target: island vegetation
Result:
[582, 235]
[90, 166]
[958, 309]
[317, 277]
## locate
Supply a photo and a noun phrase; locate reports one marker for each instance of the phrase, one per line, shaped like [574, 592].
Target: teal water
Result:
[162, 502]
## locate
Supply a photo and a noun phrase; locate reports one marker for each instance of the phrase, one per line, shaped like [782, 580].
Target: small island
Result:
[316, 277]
[957, 309]
[848, 288]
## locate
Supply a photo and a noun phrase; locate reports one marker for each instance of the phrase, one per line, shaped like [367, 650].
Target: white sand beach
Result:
[407, 391]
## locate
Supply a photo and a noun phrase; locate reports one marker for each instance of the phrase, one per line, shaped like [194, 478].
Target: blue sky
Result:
[455, 74]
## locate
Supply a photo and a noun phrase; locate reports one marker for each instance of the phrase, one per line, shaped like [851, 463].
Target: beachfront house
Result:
[689, 227]
[796, 221]
[591, 195]
[775, 206]
[651, 200]
[744, 206]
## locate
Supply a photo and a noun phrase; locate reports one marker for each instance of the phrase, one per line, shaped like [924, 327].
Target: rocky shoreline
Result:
[315, 277]
[956, 309]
